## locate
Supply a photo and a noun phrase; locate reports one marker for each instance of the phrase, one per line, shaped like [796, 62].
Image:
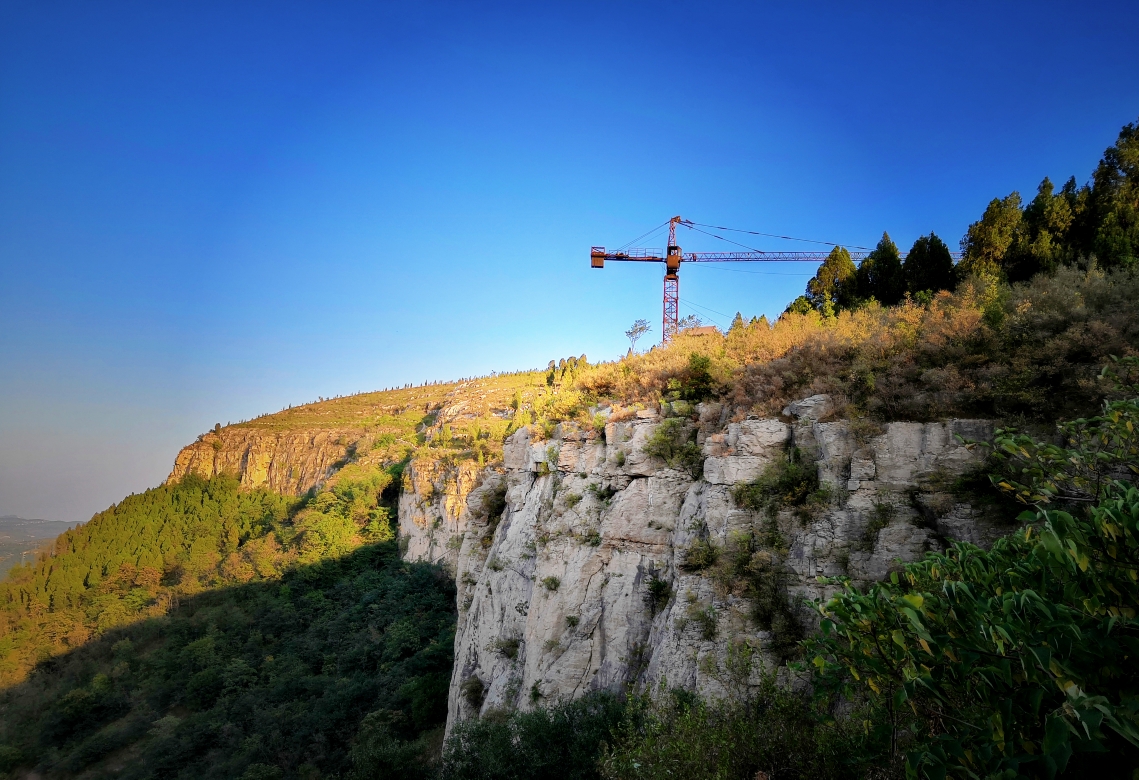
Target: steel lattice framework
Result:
[672, 257]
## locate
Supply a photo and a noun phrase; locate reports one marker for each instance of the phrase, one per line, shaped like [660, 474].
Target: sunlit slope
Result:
[298, 448]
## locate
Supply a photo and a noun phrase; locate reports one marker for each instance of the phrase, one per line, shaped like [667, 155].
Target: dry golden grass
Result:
[1032, 351]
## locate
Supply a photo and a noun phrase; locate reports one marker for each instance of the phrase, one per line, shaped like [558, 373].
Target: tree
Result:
[639, 328]
[928, 266]
[737, 323]
[691, 321]
[1115, 201]
[880, 275]
[801, 305]
[832, 287]
[987, 240]
[1042, 242]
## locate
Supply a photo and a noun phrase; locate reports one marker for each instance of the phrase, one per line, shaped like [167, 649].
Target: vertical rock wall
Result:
[579, 583]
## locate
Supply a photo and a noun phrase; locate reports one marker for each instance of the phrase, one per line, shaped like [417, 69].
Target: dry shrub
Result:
[1033, 350]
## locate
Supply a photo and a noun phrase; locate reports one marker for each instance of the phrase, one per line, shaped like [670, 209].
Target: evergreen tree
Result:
[737, 323]
[880, 275]
[1115, 201]
[988, 240]
[1041, 244]
[833, 286]
[928, 266]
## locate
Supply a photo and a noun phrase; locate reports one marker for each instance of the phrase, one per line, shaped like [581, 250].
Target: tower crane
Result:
[673, 257]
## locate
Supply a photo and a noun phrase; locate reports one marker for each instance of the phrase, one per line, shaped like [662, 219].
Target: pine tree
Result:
[928, 266]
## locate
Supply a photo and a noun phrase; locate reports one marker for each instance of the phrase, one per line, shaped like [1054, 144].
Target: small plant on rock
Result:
[674, 442]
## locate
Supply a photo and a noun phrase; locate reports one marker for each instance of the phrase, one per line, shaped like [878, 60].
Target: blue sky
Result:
[210, 211]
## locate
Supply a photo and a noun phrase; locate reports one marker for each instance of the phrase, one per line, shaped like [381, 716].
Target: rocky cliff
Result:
[289, 462]
[585, 563]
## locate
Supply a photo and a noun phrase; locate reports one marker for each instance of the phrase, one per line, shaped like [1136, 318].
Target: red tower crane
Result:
[673, 257]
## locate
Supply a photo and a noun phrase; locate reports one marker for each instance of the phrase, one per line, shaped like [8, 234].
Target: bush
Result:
[674, 442]
[790, 483]
[563, 741]
[773, 733]
[700, 555]
[657, 594]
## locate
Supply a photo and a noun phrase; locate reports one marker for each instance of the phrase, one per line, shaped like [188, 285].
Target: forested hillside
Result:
[207, 629]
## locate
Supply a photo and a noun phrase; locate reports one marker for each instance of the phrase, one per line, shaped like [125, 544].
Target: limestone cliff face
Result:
[289, 462]
[554, 593]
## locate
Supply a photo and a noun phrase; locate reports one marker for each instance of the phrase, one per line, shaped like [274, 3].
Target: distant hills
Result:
[20, 536]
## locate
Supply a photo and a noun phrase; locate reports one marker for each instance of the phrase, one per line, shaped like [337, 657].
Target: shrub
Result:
[551, 583]
[508, 647]
[562, 741]
[473, 691]
[700, 555]
[790, 483]
[657, 594]
[774, 733]
[674, 442]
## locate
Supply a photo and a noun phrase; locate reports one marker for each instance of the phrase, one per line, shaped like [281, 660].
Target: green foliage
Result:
[774, 732]
[190, 607]
[657, 594]
[699, 555]
[987, 240]
[1100, 220]
[928, 267]
[833, 285]
[747, 568]
[674, 442]
[880, 275]
[474, 691]
[1092, 452]
[1113, 203]
[563, 741]
[1011, 660]
[551, 583]
[508, 646]
[695, 383]
[789, 483]
[275, 673]
[131, 561]
[801, 305]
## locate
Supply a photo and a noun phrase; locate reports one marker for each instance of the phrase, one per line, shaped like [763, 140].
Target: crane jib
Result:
[672, 257]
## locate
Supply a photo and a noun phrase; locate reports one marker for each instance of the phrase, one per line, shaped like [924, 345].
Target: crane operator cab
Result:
[672, 260]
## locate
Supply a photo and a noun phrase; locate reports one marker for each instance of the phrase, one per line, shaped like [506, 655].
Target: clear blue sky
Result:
[210, 211]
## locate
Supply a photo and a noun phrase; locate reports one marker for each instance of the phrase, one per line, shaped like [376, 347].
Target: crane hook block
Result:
[597, 257]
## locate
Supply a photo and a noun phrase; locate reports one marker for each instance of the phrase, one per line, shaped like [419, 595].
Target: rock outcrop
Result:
[572, 561]
[288, 462]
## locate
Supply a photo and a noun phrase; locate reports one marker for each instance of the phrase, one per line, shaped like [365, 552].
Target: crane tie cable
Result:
[769, 235]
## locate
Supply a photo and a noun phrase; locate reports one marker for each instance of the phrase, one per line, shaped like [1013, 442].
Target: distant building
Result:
[702, 330]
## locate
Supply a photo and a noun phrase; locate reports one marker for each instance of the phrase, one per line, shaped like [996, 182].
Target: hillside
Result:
[298, 448]
[438, 581]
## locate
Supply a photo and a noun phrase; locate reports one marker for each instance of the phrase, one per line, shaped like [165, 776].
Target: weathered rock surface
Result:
[554, 597]
[289, 462]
